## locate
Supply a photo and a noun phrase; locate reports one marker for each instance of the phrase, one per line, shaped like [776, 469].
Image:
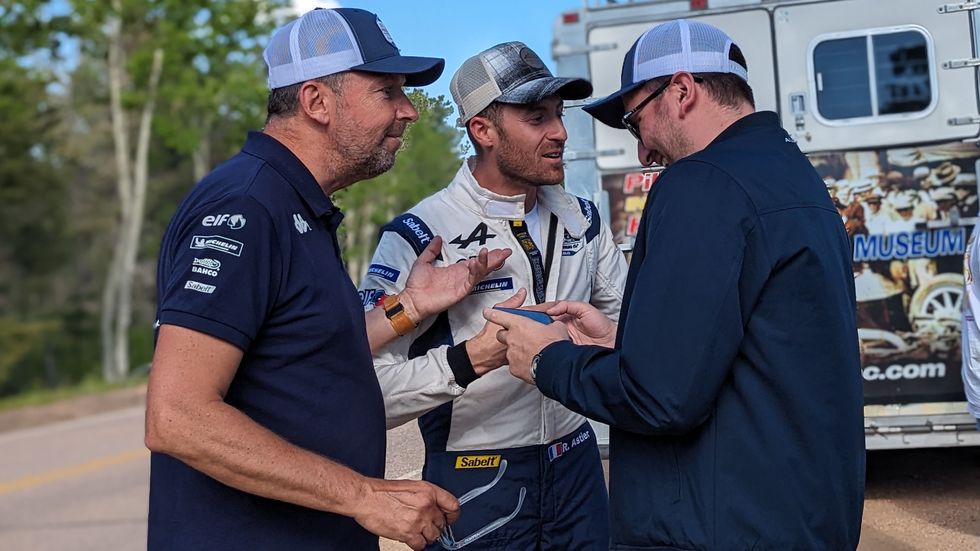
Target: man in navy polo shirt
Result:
[732, 383]
[264, 413]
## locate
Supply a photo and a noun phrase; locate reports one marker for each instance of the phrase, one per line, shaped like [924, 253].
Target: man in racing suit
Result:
[481, 425]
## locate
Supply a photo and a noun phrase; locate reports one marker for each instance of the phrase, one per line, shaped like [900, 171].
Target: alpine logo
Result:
[480, 233]
[199, 287]
[301, 225]
[206, 266]
[217, 243]
[233, 221]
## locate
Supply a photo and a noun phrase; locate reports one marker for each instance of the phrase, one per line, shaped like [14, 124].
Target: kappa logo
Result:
[301, 224]
[217, 243]
[480, 233]
[233, 221]
[206, 266]
[199, 287]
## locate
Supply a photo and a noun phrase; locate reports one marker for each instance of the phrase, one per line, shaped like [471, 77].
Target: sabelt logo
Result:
[416, 228]
[477, 461]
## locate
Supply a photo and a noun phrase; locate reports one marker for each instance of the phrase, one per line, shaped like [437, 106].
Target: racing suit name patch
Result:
[477, 461]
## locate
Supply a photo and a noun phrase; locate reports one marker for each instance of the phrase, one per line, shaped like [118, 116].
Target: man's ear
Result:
[317, 100]
[483, 131]
[687, 93]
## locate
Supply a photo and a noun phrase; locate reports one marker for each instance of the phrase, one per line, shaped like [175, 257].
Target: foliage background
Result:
[60, 210]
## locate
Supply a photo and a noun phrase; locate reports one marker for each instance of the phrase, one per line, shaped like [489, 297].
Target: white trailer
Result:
[879, 92]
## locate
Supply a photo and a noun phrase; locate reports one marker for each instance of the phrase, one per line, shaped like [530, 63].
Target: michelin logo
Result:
[233, 221]
[217, 243]
[384, 272]
[423, 236]
[488, 285]
[199, 287]
[206, 266]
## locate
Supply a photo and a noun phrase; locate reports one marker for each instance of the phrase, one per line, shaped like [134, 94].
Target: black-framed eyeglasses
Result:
[628, 117]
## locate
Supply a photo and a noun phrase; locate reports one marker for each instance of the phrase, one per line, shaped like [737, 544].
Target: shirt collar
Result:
[752, 121]
[488, 204]
[283, 161]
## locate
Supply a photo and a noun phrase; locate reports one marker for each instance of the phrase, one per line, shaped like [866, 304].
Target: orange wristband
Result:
[396, 314]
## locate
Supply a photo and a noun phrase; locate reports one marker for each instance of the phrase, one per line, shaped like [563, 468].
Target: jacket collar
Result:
[487, 204]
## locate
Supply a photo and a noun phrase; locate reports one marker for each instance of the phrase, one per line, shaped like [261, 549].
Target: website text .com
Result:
[898, 372]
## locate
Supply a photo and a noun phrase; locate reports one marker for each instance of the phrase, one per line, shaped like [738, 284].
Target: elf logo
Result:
[233, 221]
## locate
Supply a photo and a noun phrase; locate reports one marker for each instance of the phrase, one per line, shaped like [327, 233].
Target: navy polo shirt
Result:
[251, 257]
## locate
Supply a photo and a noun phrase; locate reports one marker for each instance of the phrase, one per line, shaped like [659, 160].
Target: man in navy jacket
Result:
[732, 383]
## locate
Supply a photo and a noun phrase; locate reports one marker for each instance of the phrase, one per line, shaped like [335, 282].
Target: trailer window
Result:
[872, 76]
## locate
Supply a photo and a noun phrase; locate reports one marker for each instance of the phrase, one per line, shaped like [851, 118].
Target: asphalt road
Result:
[82, 484]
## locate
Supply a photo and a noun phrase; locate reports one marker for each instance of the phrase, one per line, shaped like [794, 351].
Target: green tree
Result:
[187, 58]
[427, 162]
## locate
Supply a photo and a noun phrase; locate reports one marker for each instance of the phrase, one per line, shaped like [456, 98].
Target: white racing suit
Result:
[472, 426]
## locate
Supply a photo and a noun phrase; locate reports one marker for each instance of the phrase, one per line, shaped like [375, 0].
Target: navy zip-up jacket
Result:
[733, 393]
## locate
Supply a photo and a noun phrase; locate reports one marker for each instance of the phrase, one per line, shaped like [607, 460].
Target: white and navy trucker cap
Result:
[323, 42]
[668, 48]
[509, 73]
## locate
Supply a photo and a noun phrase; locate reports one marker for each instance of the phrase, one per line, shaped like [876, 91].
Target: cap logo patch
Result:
[531, 59]
[384, 32]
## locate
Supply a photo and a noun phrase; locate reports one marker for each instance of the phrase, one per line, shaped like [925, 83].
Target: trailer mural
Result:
[909, 213]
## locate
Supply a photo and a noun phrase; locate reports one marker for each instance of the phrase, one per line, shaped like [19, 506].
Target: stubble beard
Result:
[362, 162]
[518, 167]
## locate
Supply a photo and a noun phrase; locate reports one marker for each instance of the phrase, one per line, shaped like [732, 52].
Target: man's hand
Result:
[430, 290]
[486, 353]
[585, 323]
[410, 511]
[524, 339]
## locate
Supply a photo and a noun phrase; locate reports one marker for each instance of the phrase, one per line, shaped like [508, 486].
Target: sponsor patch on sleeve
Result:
[384, 272]
[372, 297]
[217, 243]
[199, 287]
[477, 461]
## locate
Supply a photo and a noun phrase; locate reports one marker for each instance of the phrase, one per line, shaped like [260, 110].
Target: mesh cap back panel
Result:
[278, 51]
[683, 45]
[319, 44]
[473, 88]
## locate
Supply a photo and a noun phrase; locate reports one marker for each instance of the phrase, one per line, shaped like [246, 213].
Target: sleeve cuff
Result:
[459, 363]
[551, 355]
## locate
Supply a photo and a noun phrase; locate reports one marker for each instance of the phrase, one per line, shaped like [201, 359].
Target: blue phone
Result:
[539, 317]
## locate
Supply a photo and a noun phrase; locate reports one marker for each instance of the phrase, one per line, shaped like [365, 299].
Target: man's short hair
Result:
[284, 101]
[727, 89]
